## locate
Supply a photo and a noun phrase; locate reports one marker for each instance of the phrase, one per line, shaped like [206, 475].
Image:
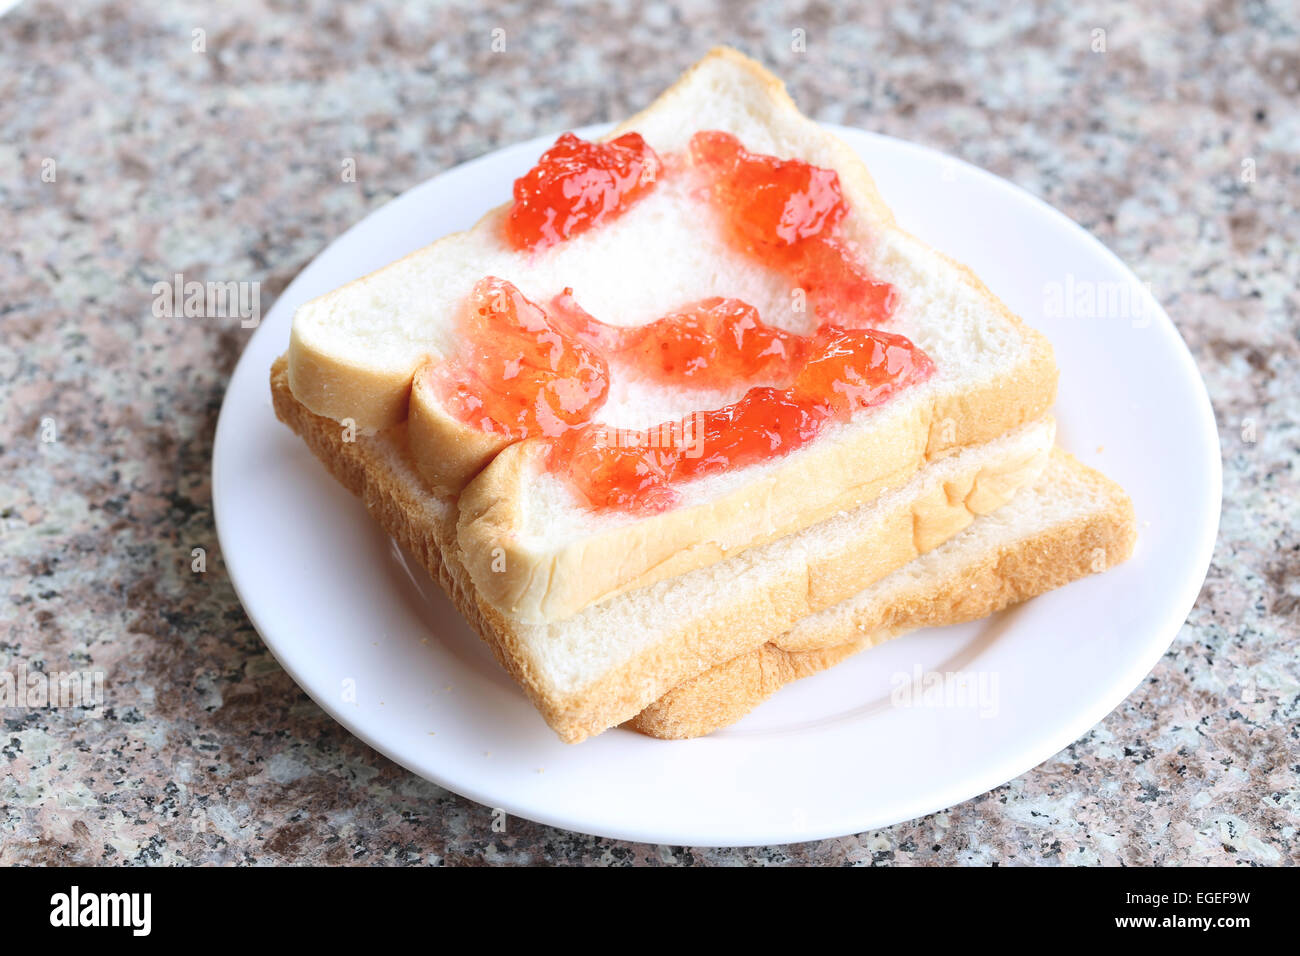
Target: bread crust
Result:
[1004, 576]
[343, 390]
[446, 452]
[378, 469]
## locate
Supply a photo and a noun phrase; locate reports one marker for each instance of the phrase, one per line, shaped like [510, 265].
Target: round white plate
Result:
[827, 756]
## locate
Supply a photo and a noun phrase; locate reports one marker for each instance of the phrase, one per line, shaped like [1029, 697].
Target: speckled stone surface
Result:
[224, 164]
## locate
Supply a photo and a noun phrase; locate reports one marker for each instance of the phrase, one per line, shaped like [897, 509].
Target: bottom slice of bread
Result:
[1070, 523]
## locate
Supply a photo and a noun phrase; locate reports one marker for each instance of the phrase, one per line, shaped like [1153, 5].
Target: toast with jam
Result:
[691, 385]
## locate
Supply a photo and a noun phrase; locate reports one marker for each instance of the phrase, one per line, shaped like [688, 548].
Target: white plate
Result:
[827, 756]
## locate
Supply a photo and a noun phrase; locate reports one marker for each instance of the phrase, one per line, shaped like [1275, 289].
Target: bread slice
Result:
[607, 663]
[1070, 523]
[531, 549]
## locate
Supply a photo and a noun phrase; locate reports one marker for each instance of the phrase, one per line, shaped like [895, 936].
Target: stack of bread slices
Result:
[947, 502]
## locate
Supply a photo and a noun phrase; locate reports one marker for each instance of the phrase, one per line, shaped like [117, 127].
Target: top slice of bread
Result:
[532, 550]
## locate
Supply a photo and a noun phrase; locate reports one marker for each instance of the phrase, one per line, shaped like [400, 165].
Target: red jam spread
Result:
[528, 370]
[711, 343]
[845, 370]
[517, 374]
[784, 212]
[577, 185]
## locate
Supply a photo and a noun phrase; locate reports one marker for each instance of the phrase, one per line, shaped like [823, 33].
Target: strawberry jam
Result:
[711, 343]
[849, 369]
[543, 371]
[771, 203]
[577, 185]
[846, 370]
[517, 374]
[783, 212]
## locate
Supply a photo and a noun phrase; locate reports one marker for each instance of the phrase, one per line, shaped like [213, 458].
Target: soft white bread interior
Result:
[604, 665]
[1070, 523]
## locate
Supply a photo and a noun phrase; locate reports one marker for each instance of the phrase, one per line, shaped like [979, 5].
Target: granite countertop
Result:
[126, 156]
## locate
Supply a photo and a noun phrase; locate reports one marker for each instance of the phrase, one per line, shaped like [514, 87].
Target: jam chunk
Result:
[846, 370]
[783, 212]
[517, 374]
[851, 369]
[611, 469]
[577, 185]
[774, 203]
[711, 343]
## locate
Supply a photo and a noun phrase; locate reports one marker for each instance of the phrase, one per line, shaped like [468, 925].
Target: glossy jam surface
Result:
[517, 373]
[543, 370]
[845, 370]
[577, 185]
[711, 343]
[770, 203]
[784, 212]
